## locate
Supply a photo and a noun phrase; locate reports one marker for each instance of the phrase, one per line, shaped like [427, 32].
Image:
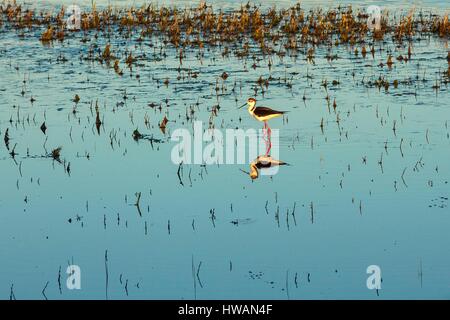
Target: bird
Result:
[263, 114]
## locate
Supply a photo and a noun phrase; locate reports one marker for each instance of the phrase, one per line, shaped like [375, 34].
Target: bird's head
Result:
[251, 102]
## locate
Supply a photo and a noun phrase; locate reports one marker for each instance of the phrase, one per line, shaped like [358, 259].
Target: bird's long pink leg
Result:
[269, 140]
[265, 131]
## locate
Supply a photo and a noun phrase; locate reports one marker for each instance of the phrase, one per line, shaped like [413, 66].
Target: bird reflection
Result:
[261, 163]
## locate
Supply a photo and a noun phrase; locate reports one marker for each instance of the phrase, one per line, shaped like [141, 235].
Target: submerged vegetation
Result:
[202, 26]
[248, 32]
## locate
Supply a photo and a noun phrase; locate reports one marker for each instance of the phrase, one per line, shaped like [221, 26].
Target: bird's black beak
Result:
[243, 105]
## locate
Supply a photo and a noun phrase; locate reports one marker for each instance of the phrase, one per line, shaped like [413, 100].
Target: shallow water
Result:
[363, 194]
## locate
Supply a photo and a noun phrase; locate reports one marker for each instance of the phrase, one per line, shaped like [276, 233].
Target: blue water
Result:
[393, 215]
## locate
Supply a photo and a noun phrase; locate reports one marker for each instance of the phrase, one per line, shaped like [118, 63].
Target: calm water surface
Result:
[363, 194]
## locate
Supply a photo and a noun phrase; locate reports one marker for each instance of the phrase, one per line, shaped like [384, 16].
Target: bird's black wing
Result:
[264, 111]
